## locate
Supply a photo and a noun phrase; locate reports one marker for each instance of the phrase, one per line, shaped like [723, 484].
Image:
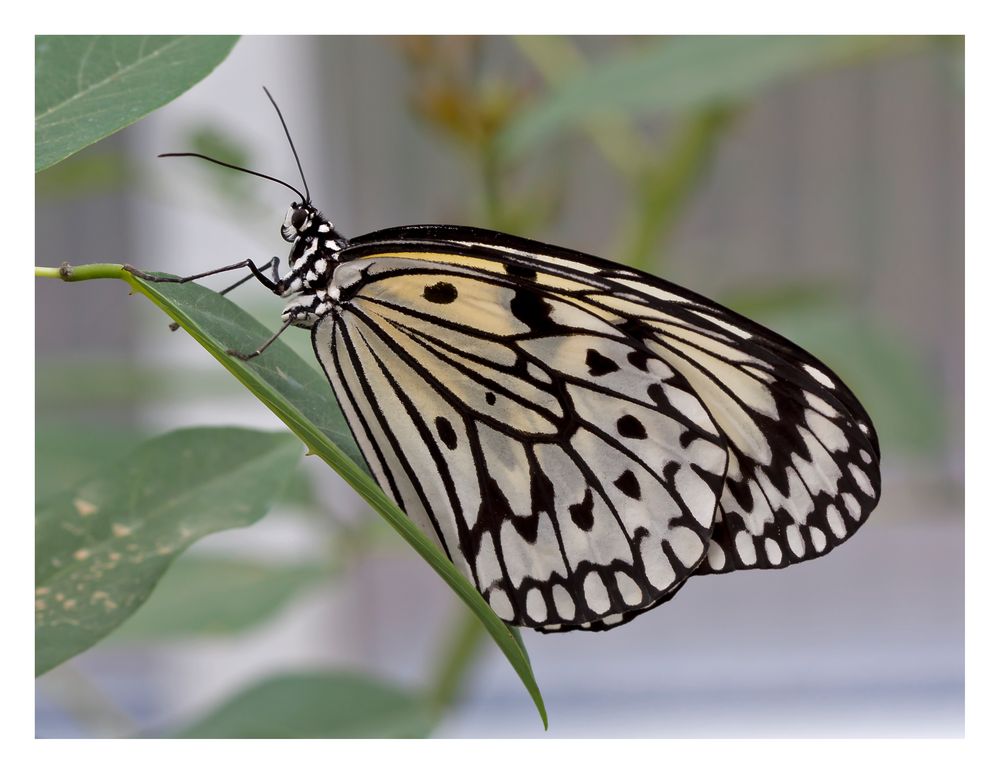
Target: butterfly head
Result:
[304, 222]
[299, 220]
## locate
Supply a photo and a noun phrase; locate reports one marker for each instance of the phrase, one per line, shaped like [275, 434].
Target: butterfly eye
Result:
[298, 218]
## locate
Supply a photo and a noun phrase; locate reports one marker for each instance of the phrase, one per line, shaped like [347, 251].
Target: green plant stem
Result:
[87, 271]
[664, 190]
[464, 642]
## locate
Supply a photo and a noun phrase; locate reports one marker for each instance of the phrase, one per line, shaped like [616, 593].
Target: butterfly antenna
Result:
[292, 144]
[238, 169]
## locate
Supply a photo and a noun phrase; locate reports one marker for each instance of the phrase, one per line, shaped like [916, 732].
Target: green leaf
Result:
[101, 546]
[69, 450]
[203, 596]
[318, 705]
[683, 73]
[65, 453]
[90, 86]
[301, 397]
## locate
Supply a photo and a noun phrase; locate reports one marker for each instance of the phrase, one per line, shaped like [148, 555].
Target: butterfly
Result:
[580, 438]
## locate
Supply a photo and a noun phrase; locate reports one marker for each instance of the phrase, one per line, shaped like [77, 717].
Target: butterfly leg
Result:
[251, 355]
[272, 265]
[274, 285]
[255, 271]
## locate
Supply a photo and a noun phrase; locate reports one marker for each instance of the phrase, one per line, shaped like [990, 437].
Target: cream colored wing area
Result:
[569, 472]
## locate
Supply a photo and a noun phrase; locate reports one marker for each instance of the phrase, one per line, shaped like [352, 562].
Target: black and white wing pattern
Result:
[580, 438]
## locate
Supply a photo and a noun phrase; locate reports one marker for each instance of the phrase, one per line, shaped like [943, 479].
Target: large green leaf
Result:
[300, 396]
[682, 73]
[101, 546]
[90, 86]
[207, 596]
[318, 705]
[67, 452]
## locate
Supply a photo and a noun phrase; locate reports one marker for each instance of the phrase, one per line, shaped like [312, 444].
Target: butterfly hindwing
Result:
[579, 437]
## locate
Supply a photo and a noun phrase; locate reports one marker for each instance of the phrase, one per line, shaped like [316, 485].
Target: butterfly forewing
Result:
[579, 437]
[569, 472]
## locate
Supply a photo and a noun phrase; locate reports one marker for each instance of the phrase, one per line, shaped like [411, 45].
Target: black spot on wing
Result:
[599, 364]
[630, 427]
[629, 485]
[441, 293]
[527, 526]
[583, 513]
[638, 359]
[534, 311]
[446, 432]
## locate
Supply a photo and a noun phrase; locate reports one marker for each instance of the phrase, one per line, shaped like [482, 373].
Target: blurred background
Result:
[819, 191]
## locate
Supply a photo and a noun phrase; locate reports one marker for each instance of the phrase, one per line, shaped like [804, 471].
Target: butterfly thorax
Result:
[311, 261]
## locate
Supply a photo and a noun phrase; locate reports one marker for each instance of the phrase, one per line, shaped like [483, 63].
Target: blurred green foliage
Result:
[316, 705]
[205, 596]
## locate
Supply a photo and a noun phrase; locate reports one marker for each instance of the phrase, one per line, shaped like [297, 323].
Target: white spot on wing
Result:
[793, 537]
[535, 605]
[831, 436]
[773, 551]
[818, 375]
[716, 556]
[596, 593]
[820, 405]
[862, 479]
[564, 602]
[658, 570]
[853, 507]
[745, 548]
[686, 545]
[500, 603]
[836, 521]
[630, 591]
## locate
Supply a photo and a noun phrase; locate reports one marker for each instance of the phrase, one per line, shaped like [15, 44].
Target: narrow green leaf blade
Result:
[300, 396]
[316, 706]
[683, 73]
[90, 86]
[101, 546]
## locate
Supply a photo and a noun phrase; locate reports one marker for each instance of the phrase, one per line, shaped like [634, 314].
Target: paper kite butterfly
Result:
[580, 438]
